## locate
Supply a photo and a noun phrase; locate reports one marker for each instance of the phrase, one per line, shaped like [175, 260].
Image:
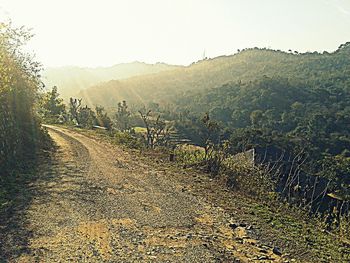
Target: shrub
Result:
[189, 155]
[129, 140]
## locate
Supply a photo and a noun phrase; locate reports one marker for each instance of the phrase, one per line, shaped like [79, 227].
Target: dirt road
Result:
[94, 202]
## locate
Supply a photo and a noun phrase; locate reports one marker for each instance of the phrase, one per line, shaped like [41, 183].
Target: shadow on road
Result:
[18, 190]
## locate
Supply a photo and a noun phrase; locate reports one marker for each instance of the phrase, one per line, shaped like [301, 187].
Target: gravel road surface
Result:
[94, 202]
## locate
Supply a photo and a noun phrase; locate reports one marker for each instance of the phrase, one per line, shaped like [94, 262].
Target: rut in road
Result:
[97, 203]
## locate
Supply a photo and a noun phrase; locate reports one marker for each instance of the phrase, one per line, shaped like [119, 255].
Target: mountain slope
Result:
[70, 80]
[245, 66]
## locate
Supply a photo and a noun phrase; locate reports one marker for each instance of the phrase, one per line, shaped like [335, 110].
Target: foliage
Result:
[74, 107]
[337, 169]
[253, 180]
[20, 131]
[283, 115]
[51, 107]
[209, 135]
[157, 132]
[123, 116]
[189, 155]
[129, 140]
[86, 117]
[102, 118]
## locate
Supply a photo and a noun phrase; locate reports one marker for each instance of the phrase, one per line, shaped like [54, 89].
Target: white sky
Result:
[107, 32]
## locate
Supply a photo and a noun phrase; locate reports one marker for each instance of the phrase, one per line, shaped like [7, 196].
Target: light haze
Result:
[106, 32]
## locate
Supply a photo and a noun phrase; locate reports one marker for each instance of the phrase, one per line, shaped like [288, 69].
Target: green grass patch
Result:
[140, 129]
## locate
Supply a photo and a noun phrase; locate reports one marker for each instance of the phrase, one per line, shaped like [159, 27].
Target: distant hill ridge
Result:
[247, 65]
[71, 80]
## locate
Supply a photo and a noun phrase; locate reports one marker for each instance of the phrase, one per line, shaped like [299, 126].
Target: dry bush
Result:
[249, 178]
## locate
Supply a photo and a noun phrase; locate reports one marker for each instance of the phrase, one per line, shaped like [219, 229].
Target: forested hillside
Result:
[20, 132]
[245, 66]
[298, 114]
[71, 80]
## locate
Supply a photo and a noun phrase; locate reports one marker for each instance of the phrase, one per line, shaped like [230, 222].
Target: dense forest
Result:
[281, 115]
[20, 131]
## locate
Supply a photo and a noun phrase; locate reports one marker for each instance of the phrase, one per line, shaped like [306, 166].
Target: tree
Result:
[102, 118]
[256, 117]
[86, 117]
[52, 106]
[74, 106]
[123, 116]
[210, 134]
[82, 116]
[157, 131]
[20, 132]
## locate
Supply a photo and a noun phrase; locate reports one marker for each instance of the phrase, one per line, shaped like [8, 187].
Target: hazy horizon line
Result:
[186, 64]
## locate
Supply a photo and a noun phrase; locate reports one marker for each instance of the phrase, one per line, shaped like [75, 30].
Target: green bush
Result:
[189, 155]
[129, 140]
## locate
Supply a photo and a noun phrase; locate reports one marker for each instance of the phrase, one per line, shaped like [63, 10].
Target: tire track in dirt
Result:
[97, 203]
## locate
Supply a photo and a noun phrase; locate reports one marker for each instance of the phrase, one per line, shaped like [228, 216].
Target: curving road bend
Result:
[94, 202]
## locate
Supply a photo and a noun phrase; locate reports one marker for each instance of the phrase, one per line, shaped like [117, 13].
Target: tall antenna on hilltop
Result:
[204, 55]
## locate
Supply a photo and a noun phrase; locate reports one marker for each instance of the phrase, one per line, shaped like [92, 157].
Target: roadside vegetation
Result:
[22, 139]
